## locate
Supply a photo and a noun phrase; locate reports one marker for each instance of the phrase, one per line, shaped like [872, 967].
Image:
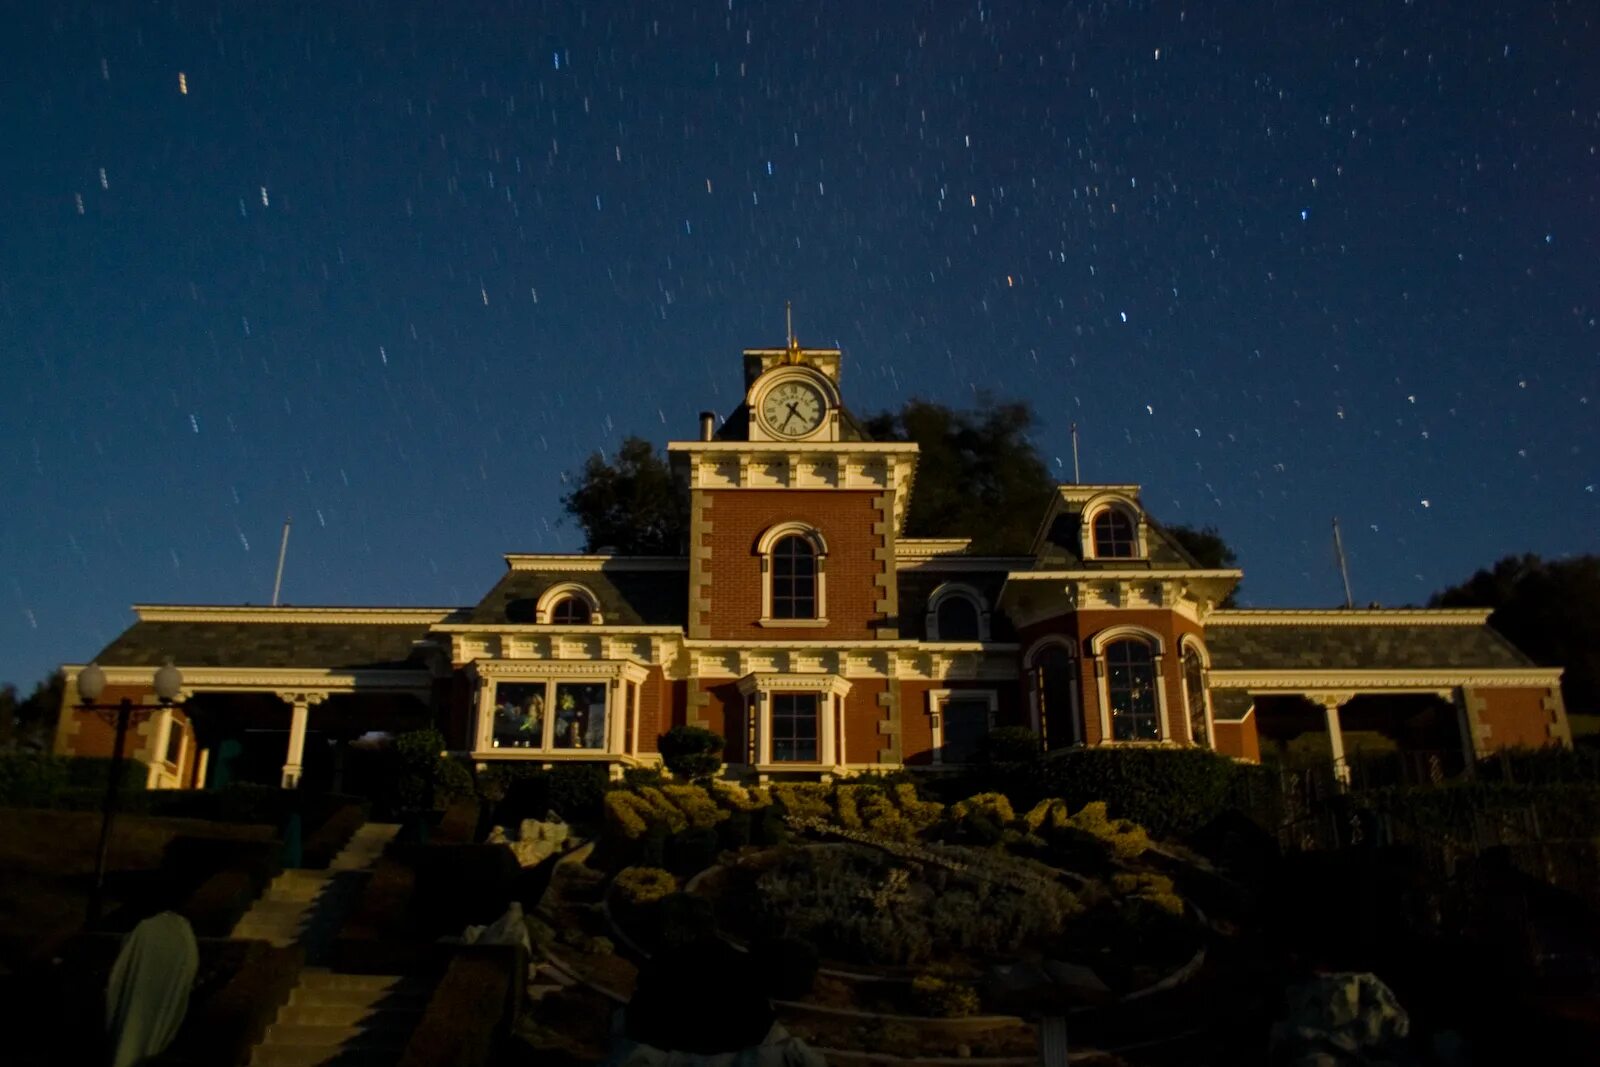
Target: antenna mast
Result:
[788, 316]
[1075, 478]
[1344, 571]
[283, 550]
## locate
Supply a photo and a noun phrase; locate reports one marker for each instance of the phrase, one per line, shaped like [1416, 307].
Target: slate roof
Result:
[1063, 549]
[627, 597]
[331, 646]
[1230, 705]
[1345, 646]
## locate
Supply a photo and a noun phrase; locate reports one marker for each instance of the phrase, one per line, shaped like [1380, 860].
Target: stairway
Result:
[342, 1019]
[306, 906]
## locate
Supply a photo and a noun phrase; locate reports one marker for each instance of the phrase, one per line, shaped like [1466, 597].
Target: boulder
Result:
[536, 840]
[1348, 1018]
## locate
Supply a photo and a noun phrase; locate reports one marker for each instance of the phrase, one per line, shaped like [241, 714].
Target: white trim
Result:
[828, 689]
[592, 630]
[1431, 679]
[269, 679]
[765, 544]
[938, 698]
[1186, 642]
[964, 591]
[1129, 509]
[924, 548]
[591, 562]
[1349, 617]
[827, 427]
[1106, 574]
[1074, 683]
[322, 615]
[778, 447]
[1097, 646]
[614, 675]
[561, 591]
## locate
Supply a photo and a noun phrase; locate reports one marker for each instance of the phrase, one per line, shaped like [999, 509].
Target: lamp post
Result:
[168, 682]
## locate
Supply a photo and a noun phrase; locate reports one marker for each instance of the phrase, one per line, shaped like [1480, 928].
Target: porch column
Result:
[300, 711]
[202, 765]
[1330, 705]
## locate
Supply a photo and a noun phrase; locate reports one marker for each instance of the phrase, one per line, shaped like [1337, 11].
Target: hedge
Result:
[1553, 812]
[472, 1008]
[35, 780]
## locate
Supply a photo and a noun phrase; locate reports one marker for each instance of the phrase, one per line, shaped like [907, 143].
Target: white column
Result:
[202, 765]
[300, 712]
[1330, 706]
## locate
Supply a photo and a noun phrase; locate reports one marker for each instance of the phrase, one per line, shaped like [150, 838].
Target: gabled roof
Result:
[1057, 545]
[324, 638]
[632, 590]
[1357, 640]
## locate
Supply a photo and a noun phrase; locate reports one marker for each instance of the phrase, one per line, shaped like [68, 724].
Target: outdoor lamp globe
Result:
[169, 682]
[91, 683]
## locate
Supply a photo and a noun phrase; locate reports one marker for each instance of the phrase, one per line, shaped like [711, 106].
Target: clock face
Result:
[793, 408]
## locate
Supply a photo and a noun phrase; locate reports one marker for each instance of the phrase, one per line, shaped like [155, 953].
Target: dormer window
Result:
[1115, 535]
[570, 611]
[956, 612]
[569, 604]
[793, 577]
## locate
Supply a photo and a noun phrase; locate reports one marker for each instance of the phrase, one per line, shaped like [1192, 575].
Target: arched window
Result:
[1194, 694]
[1055, 688]
[571, 611]
[1114, 535]
[958, 619]
[794, 578]
[1131, 691]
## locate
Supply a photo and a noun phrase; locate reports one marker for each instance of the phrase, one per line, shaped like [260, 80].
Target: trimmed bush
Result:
[695, 804]
[577, 790]
[1010, 745]
[684, 920]
[1126, 839]
[692, 851]
[804, 800]
[735, 832]
[691, 751]
[627, 815]
[994, 807]
[737, 798]
[1150, 888]
[640, 886]
[474, 1005]
[37, 780]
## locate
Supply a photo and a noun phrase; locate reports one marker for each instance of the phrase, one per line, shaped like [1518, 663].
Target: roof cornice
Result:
[321, 615]
[781, 448]
[1350, 617]
[1124, 574]
[588, 563]
[1297, 680]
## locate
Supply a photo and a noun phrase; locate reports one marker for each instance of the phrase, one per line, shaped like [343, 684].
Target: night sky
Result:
[397, 268]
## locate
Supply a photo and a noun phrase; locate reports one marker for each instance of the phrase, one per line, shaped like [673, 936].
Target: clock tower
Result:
[792, 394]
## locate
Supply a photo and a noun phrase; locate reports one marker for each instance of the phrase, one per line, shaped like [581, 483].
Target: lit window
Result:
[794, 727]
[1131, 691]
[549, 715]
[794, 579]
[570, 611]
[1114, 535]
[1194, 692]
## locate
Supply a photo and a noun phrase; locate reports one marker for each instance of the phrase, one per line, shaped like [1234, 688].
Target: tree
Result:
[978, 473]
[633, 506]
[1548, 608]
[31, 723]
[1209, 550]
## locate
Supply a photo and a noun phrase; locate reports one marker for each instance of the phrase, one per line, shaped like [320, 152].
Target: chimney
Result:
[708, 425]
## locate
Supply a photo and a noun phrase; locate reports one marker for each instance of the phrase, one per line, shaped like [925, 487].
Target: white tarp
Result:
[149, 990]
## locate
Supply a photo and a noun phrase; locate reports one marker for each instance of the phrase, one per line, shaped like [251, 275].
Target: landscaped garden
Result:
[878, 920]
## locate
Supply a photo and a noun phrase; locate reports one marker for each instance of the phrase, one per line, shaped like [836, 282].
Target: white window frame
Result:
[1030, 665]
[561, 591]
[830, 689]
[1092, 510]
[938, 698]
[819, 547]
[616, 674]
[1102, 680]
[1186, 642]
[965, 592]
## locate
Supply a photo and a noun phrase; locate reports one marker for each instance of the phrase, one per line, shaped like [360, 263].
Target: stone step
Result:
[369, 999]
[389, 1031]
[277, 938]
[405, 1012]
[322, 978]
[268, 908]
[270, 1055]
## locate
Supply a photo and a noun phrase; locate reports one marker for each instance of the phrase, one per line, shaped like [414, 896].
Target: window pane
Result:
[570, 611]
[958, 619]
[963, 723]
[580, 715]
[1131, 685]
[518, 715]
[794, 581]
[174, 741]
[1113, 535]
[794, 727]
[1194, 688]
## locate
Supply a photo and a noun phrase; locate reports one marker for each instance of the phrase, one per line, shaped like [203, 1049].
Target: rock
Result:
[536, 840]
[1337, 1019]
[964, 1052]
[510, 929]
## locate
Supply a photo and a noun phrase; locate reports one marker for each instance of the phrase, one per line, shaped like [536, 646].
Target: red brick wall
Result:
[916, 720]
[655, 709]
[862, 714]
[95, 735]
[845, 519]
[1515, 717]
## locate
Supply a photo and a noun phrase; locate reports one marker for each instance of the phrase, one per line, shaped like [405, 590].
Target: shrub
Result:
[474, 1005]
[737, 798]
[627, 816]
[768, 828]
[695, 804]
[736, 830]
[881, 817]
[1010, 745]
[993, 807]
[692, 851]
[1151, 888]
[844, 806]
[576, 791]
[1167, 791]
[804, 800]
[921, 814]
[663, 810]
[638, 777]
[36, 780]
[691, 751]
[1126, 839]
[789, 965]
[940, 997]
[684, 919]
[640, 886]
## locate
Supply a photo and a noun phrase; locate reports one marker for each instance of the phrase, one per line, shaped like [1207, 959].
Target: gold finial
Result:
[788, 311]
